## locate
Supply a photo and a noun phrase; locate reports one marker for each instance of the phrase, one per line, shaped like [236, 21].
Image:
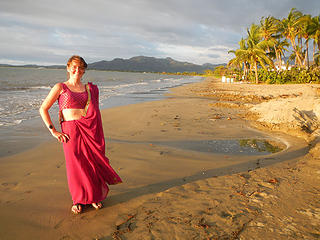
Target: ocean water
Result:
[22, 90]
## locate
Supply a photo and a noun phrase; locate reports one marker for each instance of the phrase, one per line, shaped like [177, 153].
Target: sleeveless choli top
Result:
[69, 99]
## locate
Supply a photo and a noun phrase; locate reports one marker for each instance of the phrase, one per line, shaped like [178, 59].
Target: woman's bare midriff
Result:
[72, 114]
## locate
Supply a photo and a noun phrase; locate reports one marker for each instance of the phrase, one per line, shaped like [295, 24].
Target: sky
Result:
[198, 31]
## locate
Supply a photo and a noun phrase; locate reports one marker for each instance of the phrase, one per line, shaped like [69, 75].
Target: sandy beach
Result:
[175, 186]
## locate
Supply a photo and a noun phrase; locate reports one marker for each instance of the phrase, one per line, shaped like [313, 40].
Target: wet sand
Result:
[171, 192]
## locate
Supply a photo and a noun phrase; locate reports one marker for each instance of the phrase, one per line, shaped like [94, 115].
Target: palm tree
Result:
[314, 28]
[268, 29]
[272, 38]
[289, 28]
[240, 60]
[252, 51]
[256, 50]
[306, 31]
[280, 47]
[317, 58]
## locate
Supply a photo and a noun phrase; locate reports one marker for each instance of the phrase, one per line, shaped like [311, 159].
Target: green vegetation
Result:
[183, 73]
[260, 145]
[294, 75]
[207, 73]
[260, 55]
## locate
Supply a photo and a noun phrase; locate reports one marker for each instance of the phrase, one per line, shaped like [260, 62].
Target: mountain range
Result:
[142, 64]
[150, 64]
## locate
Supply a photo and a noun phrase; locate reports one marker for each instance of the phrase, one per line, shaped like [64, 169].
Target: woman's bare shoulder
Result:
[58, 87]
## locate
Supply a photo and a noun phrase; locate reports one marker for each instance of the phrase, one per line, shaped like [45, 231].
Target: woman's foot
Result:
[76, 209]
[97, 206]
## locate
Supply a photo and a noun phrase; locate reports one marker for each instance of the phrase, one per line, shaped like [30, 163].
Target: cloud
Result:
[197, 31]
[198, 55]
[213, 55]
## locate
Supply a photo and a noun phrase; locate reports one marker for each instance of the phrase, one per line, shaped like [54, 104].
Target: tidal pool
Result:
[230, 147]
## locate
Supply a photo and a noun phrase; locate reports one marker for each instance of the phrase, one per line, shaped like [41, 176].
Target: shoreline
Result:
[32, 132]
[169, 192]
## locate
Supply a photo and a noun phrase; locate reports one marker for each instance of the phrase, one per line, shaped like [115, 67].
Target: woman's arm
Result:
[44, 112]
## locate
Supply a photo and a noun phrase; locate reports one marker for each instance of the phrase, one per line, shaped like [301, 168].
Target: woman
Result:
[88, 169]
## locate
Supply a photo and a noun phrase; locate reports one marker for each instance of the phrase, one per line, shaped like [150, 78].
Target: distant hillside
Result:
[150, 64]
[5, 65]
[34, 66]
[139, 64]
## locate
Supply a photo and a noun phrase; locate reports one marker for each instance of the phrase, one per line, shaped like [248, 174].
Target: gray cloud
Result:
[213, 55]
[43, 31]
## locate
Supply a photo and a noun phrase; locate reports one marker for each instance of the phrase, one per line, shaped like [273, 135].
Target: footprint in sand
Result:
[9, 185]
[60, 164]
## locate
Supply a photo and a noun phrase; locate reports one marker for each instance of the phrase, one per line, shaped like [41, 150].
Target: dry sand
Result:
[175, 193]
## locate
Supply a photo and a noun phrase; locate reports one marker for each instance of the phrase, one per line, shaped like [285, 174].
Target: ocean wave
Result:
[11, 123]
[127, 85]
[40, 87]
[23, 89]
[167, 80]
[172, 79]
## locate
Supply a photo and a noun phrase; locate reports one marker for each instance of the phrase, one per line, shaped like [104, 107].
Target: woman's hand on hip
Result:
[61, 137]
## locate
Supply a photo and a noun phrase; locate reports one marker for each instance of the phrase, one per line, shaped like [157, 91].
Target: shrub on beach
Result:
[294, 75]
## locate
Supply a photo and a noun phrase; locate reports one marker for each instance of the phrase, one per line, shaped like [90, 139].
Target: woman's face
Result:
[76, 70]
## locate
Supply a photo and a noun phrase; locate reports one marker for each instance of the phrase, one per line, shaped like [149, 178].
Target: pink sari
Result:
[88, 169]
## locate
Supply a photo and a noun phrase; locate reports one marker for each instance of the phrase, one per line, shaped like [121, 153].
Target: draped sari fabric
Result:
[88, 169]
